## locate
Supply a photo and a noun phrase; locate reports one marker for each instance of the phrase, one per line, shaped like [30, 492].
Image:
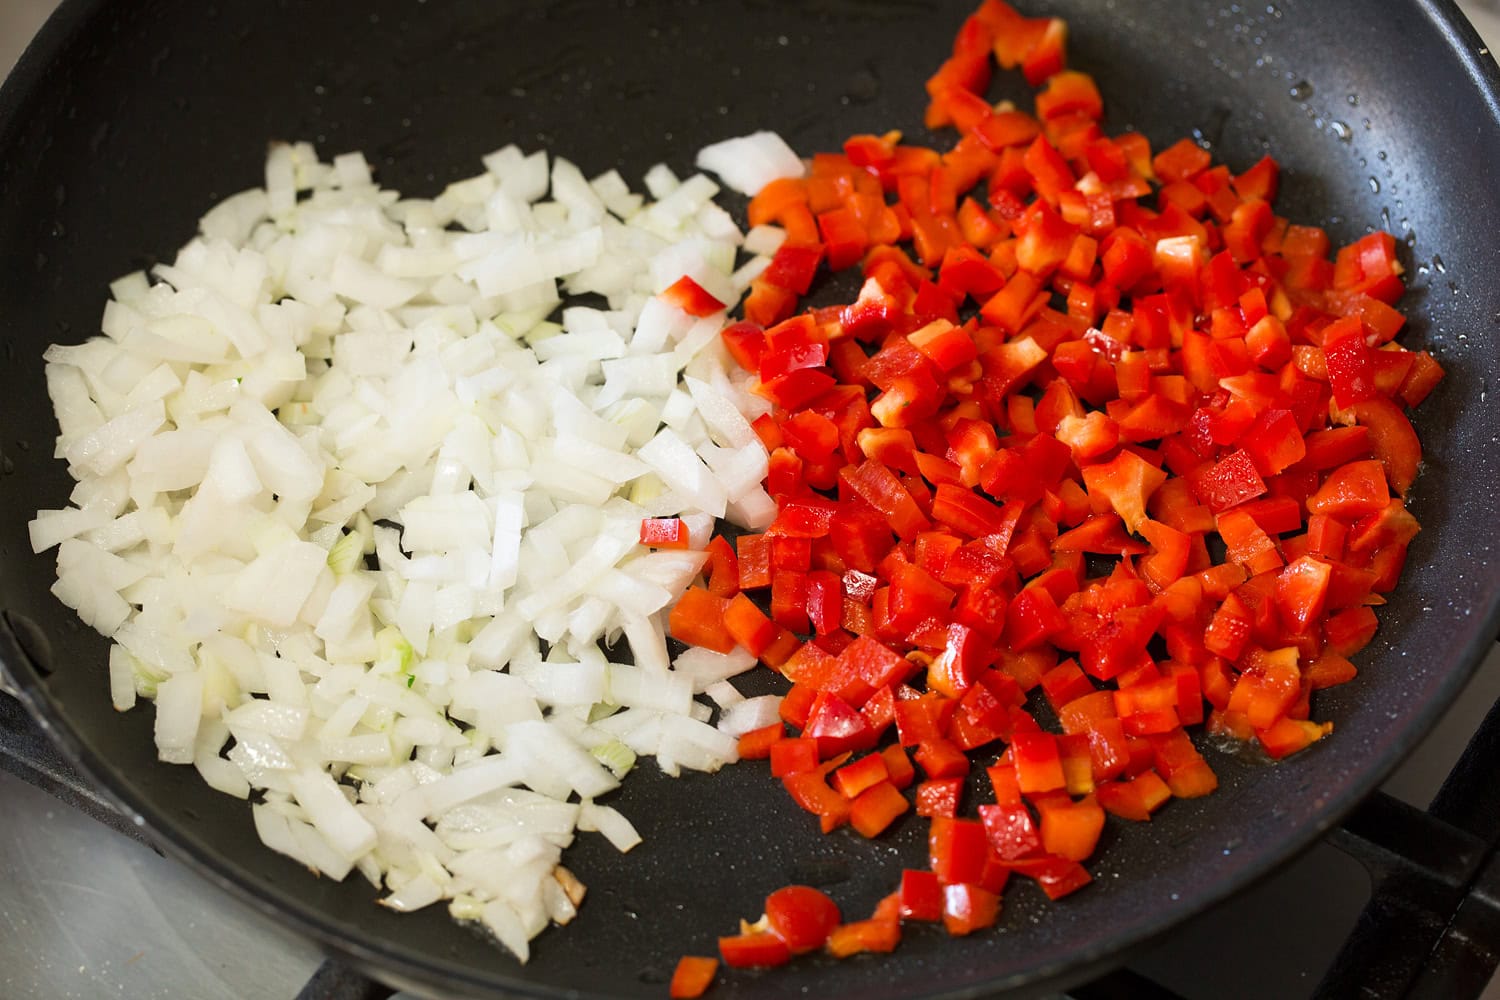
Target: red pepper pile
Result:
[1159, 370]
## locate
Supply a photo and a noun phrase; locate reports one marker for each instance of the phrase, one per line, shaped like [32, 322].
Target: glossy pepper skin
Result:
[1101, 429]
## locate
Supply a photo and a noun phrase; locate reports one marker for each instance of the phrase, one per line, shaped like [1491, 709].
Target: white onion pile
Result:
[341, 480]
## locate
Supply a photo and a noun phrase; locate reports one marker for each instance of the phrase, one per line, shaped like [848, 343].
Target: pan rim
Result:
[388, 960]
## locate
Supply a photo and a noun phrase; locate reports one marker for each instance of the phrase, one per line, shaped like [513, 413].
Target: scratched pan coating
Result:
[126, 120]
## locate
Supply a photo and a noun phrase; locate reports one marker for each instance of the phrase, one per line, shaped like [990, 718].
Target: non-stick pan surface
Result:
[126, 120]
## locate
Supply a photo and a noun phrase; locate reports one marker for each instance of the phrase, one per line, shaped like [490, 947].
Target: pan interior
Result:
[128, 120]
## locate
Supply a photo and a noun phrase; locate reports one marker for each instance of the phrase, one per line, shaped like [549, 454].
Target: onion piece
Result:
[350, 463]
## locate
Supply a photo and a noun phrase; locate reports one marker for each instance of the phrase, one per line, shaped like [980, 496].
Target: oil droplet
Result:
[1374, 185]
[1343, 131]
[1437, 262]
[1273, 10]
[1301, 91]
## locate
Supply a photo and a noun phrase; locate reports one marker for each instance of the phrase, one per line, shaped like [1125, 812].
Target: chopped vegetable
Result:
[1099, 428]
[692, 977]
[353, 501]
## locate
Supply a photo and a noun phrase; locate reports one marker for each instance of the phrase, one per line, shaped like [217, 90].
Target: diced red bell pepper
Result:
[939, 797]
[1011, 830]
[1037, 761]
[1057, 877]
[1126, 482]
[899, 766]
[879, 487]
[837, 727]
[1301, 591]
[793, 755]
[689, 296]
[755, 950]
[872, 935]
[1392, 439]
[801, 916]
[1351, 491]
[1178, 762]
[876, 808]
[957, 849]
[1071, 829]
[921, 895]
[1135, 798]
[748, 625]
[940, 758]
[692, 977]
[1230, 481]
[968, 908]
[698, 620]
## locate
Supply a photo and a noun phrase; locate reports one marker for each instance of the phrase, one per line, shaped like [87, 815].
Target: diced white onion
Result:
[349, 460]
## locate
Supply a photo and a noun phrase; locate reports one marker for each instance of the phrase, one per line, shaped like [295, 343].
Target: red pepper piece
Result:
[748, 625]
[1126, 482]
[1136, 798]
[811, 792]
[754, 558]
[852, 779]
[1037, 761]
[793, 755]
[692, 977]
[867, 664]
[801, 916]
[1057, 877]
[921, 896]
[789, 599]
[968, 908]
[698, 620]
[874, 935]
[793, 267]
[723, 569]
[899, 766]
[756, 950]
[1301, 591]
[664, 533]
[1178, 762]
[1231, 481]
[939, 797]
[879, 487]
[758, 743]
[1351, 491]
[1071, 829]
[837, 727]
[940, 758]
[1048, 54]
[1011, 830]
[689, 296]
[1287, 736]
[1032, 618]
[957, 849]
[876, 808]
[1349, 631]
[1392, 439]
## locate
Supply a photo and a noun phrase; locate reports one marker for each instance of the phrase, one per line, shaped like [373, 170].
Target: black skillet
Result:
[128, 118]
